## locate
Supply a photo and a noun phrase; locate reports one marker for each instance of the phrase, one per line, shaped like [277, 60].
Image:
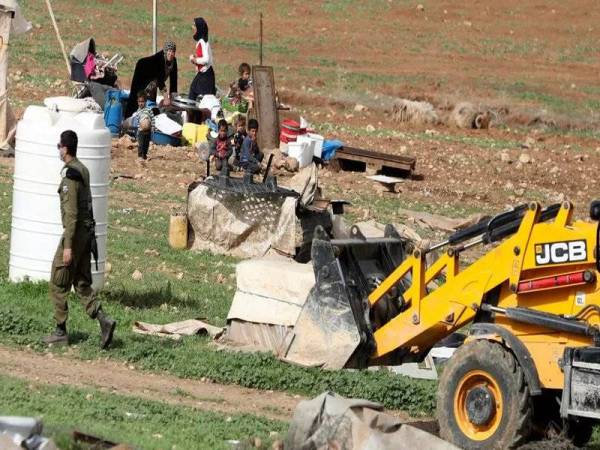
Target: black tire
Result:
[579, 432]
[484, 360]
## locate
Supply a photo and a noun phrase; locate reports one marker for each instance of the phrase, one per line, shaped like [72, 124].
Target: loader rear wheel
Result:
[483, 400]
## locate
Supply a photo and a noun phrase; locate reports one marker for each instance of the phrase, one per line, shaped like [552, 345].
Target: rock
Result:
[359, 108]
[519, 192]
[291, 164]
[277, 445]
[524, 158]
[257, 442]
[529, 142]
[220, 278]
[555, 169]
[505, 157]
[420, 7]
[180, 276]
[403, 149]
[467, 23]
[509, 186]
[137, 275]
[431, 132]
[107, 267]
[151, 252]
[370, 128]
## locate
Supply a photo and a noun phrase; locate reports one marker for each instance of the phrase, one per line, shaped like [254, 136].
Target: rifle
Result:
[91, 223]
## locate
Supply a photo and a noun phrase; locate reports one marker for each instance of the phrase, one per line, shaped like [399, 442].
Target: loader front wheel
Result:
[483, 400]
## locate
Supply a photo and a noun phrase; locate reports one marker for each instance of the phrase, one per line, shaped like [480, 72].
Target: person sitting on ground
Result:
[238, 138]
[141, 123]
[220, 149]
[251, 156]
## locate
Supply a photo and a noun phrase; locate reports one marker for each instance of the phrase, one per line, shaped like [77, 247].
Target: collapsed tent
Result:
[332, 421]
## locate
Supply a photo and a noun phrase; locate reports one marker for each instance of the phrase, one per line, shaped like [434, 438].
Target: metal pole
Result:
[260, 56]
[154, 25]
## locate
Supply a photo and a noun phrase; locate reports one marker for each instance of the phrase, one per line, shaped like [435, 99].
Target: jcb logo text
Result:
[560, 252]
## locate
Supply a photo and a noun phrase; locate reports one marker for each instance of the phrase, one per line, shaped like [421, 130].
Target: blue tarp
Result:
[329, 148]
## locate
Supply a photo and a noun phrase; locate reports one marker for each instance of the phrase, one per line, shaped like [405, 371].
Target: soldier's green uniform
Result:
[78, 224]
[75, 203]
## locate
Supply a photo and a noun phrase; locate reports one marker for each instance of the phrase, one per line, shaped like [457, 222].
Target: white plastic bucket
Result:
[318, 144]
[300, 151]
[283, 147]
[310, 143]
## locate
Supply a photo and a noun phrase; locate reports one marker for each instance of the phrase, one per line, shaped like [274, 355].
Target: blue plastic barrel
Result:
[113, 110]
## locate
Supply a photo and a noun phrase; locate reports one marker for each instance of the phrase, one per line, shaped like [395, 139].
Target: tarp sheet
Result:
[330, 421]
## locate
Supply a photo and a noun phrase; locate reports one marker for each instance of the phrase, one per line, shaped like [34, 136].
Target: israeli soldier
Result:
[71, 266]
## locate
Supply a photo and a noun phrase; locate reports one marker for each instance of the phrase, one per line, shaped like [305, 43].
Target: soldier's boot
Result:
[58, 337]
[107, 328]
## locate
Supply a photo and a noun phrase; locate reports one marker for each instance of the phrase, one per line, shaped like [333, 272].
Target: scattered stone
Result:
[277, 445]
[529, 142]
[520, 192]
[403, 149]
[524, 158]
[467, 23]
[431, 132]
[107, 267]
[220, 278]
[555, 169]
[580, 158]
[359, 108]
[89, 397]
[509, 186]
[420, 7]
[137, 275]
[257, 442]
[370, 128]
[151, 252]
[505, 157]
[3, 237]
[180, 276]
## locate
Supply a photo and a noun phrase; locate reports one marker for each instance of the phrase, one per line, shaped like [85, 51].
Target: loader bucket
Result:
[335, 327]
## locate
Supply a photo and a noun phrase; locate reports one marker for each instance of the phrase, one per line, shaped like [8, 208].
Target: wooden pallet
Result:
[349, 157]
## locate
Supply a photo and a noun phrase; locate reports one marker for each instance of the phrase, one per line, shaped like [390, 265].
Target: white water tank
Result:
[36, 222]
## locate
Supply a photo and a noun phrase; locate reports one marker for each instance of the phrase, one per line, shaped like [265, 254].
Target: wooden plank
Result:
[265, 106]
[376, 160]
[359, 152]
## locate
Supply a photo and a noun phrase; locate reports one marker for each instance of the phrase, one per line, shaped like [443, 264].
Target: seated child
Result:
[238, 138]
[251, 156]
[141, 123]
[220, 149]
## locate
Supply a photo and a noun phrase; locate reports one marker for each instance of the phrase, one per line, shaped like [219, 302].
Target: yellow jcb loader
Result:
[530, 306]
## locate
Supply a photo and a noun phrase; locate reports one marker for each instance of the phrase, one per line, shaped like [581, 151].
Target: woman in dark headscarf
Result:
[204, 81]
[152, 72]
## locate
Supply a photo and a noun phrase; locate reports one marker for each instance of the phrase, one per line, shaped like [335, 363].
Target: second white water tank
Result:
[36, 223]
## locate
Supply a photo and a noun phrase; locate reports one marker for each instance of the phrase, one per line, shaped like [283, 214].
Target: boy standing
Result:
[220, 149]
[251, 156]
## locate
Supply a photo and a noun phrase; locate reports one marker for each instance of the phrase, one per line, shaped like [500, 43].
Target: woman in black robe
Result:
[204, 81]
[152, 72]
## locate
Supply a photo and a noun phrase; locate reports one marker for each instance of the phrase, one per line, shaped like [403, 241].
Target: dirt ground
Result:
[530, 60]
[122, 379]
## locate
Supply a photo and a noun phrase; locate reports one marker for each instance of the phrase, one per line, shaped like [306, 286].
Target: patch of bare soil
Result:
[119, 378]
